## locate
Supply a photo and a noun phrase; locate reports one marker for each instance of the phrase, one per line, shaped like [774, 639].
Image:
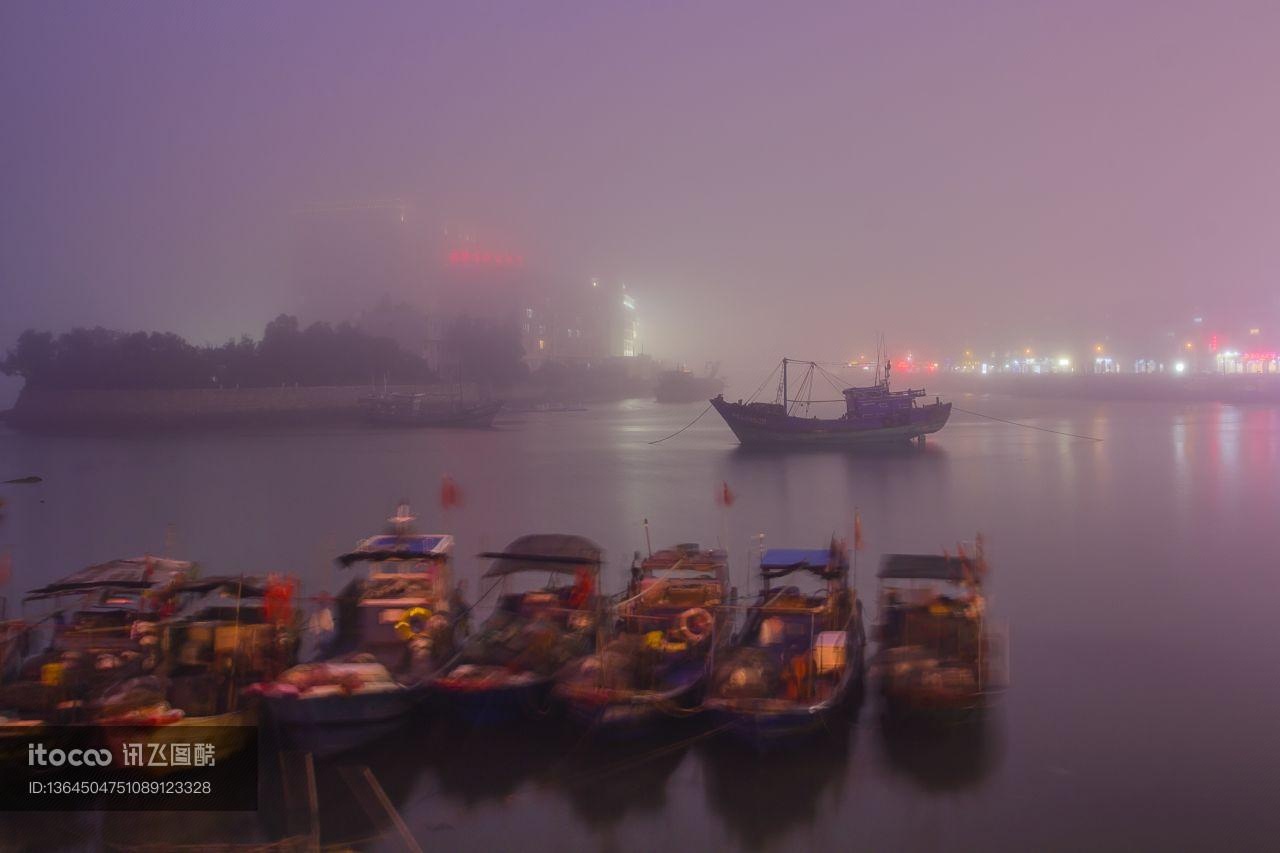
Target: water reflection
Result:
[940, 755]
[475, 766]
[606, 783]
[762, 798]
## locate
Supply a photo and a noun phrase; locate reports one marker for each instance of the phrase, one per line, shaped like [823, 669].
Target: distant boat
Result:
[683, 386]
[421, 410]
[873, 414]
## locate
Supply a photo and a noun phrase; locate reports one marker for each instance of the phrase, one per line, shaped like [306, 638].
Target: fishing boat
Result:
[506, 670]
[682, 385]
[393, 630]
[873, 414]
[936, 652]
[102, 625]
[418, 409]
[798, 657]
[233, 631]
[655, 665]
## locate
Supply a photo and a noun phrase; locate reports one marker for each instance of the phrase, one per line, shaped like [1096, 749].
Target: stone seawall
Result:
[149, 408]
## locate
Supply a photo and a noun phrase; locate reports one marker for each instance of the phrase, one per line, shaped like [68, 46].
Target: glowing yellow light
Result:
[1027, 351]
[1188, 345]
[1097, 348]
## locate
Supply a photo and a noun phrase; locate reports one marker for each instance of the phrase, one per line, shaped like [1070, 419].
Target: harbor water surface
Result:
[1138, 577]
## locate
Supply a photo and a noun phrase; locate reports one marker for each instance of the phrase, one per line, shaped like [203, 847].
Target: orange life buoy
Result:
[696, 625]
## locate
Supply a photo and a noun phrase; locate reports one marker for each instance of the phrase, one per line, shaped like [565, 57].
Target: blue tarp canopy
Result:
[396, 546]
[820, 561]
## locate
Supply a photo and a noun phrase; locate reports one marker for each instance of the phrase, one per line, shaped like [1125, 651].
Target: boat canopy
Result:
[246, 587]
[933, 567]
[546, 552]
[130, 573]
[823, 562]
[397, 546]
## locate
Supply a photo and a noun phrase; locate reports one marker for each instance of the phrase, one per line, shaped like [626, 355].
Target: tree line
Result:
[287, 354]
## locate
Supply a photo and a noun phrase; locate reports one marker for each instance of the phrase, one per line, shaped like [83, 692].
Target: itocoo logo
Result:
[39, 756]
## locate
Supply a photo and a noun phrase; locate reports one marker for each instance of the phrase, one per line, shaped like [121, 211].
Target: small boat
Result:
[393, 631]
[873, 415]
[683, 386]
[798, 657]
[506, 670]
[138, 711]
[234, 631]
[936, 653]
[656, 664]
[111, 599]
[103, 625]
[418, 409]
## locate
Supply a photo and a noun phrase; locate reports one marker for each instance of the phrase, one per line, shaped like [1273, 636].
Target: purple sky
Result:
[765, 178]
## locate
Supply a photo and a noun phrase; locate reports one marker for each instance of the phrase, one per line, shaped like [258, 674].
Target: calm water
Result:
[1139, 577]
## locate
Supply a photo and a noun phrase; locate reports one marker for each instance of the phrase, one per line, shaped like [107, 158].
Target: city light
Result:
[1179, 367]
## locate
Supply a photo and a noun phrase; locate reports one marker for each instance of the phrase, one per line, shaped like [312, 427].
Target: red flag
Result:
[724, 497]
[450, 495]
[857, 531]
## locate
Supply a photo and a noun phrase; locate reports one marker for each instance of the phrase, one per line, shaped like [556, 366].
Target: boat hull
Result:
[770, 429]
[493, 705]
[329, 725]
[228, 733]
[480, 415]
[628, 718]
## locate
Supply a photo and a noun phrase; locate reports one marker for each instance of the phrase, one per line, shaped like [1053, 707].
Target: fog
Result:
[766, 180]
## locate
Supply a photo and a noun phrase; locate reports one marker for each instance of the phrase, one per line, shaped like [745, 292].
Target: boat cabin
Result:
[934, 647]
[110, 598]
[796, 645]
[407, 585]
[569, 596]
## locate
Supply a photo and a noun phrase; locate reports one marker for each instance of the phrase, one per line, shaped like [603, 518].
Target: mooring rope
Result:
[1026, 426]
[683, 428]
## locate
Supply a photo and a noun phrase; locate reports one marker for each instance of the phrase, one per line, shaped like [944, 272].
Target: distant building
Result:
[377, 265]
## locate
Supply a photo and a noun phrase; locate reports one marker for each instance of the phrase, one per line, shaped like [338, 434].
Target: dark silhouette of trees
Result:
[320, 354]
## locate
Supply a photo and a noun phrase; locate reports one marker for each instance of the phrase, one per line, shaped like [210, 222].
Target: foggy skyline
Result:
[768, 181]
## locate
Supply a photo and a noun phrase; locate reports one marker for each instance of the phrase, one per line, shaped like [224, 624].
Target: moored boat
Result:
[421, 410]
[873, 414]
[103, 625]
[937, 654]
[233, 631]
[655, 665]
[506, 670]
[393, 631]
[798, 657]
[683, 386]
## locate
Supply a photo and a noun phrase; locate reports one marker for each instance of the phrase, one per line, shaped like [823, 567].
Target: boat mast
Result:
[785, 404]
